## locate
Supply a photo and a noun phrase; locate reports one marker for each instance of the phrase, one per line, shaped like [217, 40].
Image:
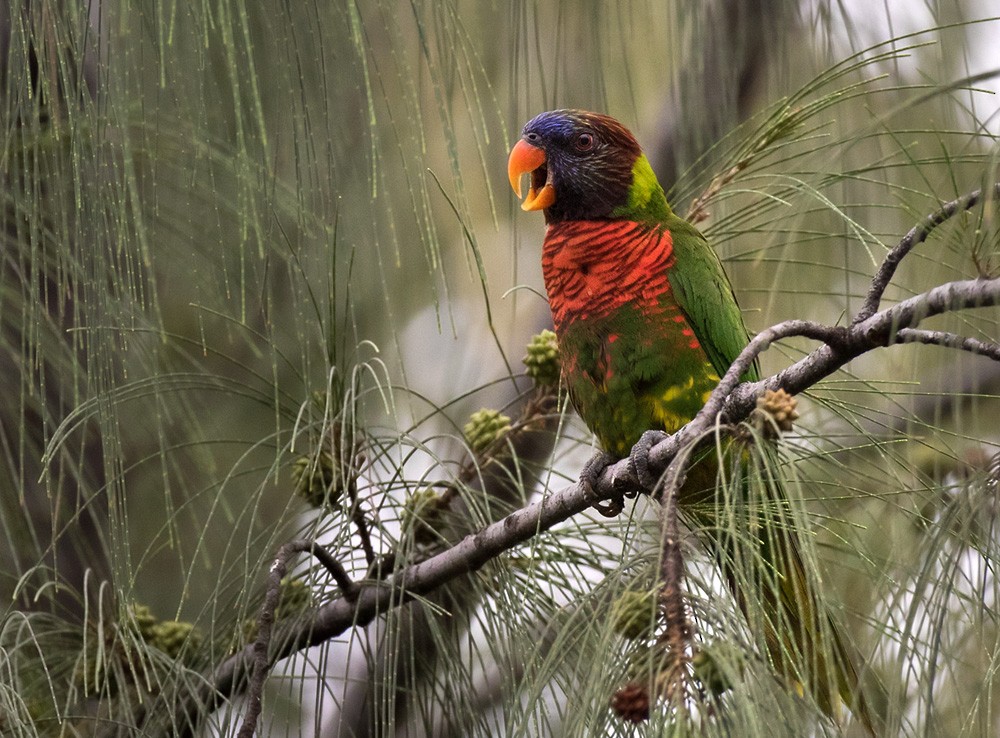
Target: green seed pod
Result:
[171, 637]
[315, 479]
[484, 427]
[542, 360]
[634, 614]
[716, 665]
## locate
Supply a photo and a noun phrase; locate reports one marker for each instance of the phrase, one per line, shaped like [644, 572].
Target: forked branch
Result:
[360, 603]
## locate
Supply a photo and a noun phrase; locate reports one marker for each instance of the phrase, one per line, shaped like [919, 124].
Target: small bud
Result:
[422, 515]
[485, 426]
[315, 479]
[715, 665]
[144, 620]
[542, 360]
[631, 703]
[171, 637]
[634, 614]
[782, 409]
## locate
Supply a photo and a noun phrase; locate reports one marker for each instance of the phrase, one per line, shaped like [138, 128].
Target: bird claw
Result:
[613, 507]
[588, 478]
[639, 459]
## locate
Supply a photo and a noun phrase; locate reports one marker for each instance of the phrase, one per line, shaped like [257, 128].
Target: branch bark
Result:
[731, 402]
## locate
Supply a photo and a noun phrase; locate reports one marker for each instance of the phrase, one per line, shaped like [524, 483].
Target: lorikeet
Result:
[647, 323]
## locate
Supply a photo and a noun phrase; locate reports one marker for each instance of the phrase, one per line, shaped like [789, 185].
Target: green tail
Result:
[755, 542]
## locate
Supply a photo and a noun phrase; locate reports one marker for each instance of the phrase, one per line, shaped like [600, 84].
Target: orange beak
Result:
[525, 159]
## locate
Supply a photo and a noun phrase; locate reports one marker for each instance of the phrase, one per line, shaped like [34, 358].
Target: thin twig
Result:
[730, 400]
[660, 455]
[917, 235]
[677, 633]
[360, 522]
[878, 331]
[265, 621]
[949, 340]
[348, 587]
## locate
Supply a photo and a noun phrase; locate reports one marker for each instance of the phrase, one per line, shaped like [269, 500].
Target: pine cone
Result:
[542, 360]
[781, 407]
[631, 703]
[484, 427]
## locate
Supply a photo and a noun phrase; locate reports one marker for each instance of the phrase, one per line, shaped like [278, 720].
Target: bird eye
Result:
[584, 142]
[531, 137]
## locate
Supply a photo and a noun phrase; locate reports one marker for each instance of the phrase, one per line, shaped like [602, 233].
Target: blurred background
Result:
[235, 237]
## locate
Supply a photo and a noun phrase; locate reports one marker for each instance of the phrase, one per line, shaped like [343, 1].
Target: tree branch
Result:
[735, 403]
[880, 330]
[917, 235]
[374, 598]
[949, 340]
[731, 401]
[272, 596]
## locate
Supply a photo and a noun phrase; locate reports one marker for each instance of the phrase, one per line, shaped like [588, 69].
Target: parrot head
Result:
[582, 165]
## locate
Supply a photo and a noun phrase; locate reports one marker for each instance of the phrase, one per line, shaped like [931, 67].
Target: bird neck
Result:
[646, 201]
[592, 268]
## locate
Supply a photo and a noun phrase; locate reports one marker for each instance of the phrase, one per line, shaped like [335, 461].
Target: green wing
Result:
[705, 294]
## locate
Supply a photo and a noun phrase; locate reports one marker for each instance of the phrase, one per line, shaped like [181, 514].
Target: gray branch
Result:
[731, 402]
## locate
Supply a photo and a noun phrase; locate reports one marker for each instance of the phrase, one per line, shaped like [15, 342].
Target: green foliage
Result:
[485, 427]
[314, 478]
[254, 275]
[634, 614]
[422, 515]
[719, 667]
[541, 362]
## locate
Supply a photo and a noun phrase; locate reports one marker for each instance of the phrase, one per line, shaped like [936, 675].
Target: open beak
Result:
[528, 159]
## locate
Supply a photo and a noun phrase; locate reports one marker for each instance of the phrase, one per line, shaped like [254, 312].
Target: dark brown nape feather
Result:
[590, 184]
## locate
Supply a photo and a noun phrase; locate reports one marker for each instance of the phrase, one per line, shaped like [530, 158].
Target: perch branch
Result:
[731, 401]
[949, 340]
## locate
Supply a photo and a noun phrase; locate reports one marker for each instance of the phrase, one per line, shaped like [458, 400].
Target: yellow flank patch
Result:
[668, 419]
[714, 379]
[677, 390]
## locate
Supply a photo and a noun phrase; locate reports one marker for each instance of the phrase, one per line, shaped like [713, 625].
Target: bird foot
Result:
[588, 478]
[639, 459]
